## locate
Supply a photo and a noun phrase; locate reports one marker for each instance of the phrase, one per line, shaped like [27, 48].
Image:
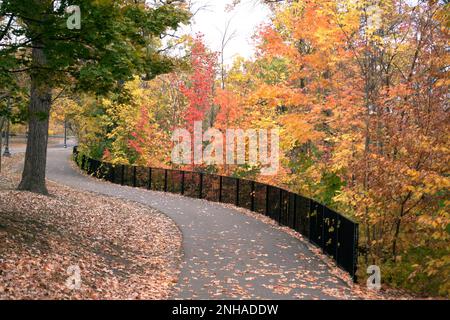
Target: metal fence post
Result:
[201, 186]
[113, 174]
[134, 176]
[355, 251]
[165, 180]
[280, 209]
[322, 237]
[252, 198]
[237, 192]
[182, 182]
[149, 186]
[94, 167]
[294, 218]
[308, 217]
[220, 188]
[338, 221]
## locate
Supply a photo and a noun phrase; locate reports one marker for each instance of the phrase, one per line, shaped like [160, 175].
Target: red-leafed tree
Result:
[146, 141]
[229, 108]
[199, 88]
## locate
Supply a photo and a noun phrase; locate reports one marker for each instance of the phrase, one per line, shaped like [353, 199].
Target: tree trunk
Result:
[397, 232]
[33, 176]
[398, 224]
[2, 121]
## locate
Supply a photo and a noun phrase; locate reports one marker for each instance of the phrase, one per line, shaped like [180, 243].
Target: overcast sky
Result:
[245, 19]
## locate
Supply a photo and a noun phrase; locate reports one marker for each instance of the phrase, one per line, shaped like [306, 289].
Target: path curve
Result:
[227, 255]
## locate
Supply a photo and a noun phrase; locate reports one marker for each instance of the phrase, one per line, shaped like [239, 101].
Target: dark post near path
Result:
[200, 194]
[149, 186]
[65, 133]
[165, 180]
[7, 153]
[182, 182]
[220, 188]
[294, 211]
[280, 209]
[237, 192]
[252, 196]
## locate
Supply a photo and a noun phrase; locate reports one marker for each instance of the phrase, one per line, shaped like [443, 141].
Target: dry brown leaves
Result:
[357, 290]
[124, 250]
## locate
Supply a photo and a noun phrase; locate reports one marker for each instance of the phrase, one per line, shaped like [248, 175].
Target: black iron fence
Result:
[335, 234]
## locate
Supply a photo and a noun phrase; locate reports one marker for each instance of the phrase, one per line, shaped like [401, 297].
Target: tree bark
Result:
[2, 121]
[33, 176]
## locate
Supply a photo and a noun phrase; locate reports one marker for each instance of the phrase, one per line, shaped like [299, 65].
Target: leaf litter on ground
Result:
[124, 250]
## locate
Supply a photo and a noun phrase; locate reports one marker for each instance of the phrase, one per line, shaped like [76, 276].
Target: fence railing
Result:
[335, 234]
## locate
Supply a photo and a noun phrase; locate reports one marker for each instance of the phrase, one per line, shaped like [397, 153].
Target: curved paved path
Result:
[227, 254]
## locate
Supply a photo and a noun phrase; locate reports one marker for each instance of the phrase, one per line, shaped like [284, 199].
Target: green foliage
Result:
[246, 171]
[329, 186]
[386, 169]
[112, 44]
[273, 71]
[409, 273]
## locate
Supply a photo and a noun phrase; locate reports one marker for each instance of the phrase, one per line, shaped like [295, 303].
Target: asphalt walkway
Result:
[227, 254]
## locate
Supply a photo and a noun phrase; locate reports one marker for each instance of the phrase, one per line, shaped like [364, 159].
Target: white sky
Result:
[245, 19]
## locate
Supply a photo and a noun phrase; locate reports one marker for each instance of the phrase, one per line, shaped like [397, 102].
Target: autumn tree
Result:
[199, 87]
[359, 90]
[108, 48]
[364, 101]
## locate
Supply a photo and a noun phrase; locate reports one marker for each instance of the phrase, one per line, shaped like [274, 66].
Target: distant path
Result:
[227, 254]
